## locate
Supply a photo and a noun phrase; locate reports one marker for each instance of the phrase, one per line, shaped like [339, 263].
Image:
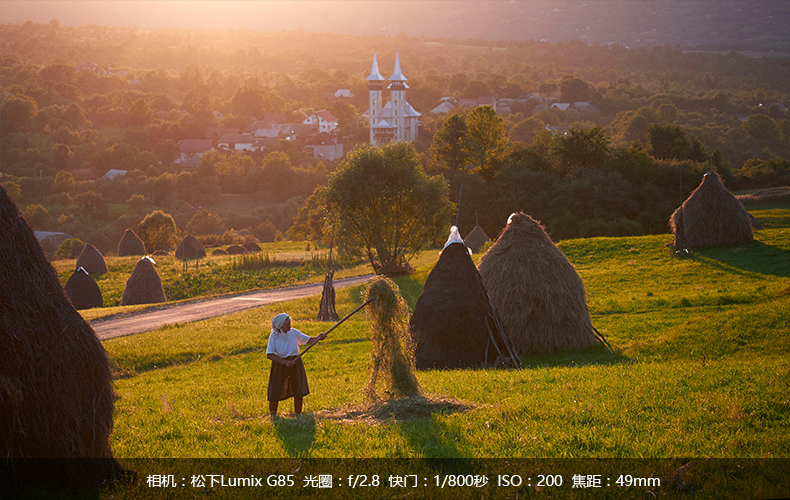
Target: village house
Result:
[193, 148]
[322, 121]
[324, 146]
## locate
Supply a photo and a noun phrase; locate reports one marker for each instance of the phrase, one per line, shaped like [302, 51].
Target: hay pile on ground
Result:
[535, 290]
[391, 356]
[92, 260]
[251, 246]
[236, 250]
[56, 392]
[219, 251]
[82, 291]
[190, 248]
[400, 410]
[161, 253]
[130, 244]
[476, 239]
[453, 324]
[711, 216]
[144, 285]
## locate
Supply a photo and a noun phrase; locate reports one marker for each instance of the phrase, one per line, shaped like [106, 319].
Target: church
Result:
[395, 121]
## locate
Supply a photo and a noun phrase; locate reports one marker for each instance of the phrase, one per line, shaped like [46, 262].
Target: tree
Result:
[65, 182]
[140, 113]
[667, 142]
[383, 200]
[581, 148]
[92, 204]
[16, 112]
[486, 142]
[205, 222]
[574, 90]
[447, 147]
[158, 231]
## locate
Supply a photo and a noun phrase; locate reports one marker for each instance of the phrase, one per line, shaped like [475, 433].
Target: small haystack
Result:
[453, 324]
[219, 251]
[130, 244]
[711, 216]
[190, 248]
[92, 260]
[161, 253]
[392, 354]
[538, 294]
[56, 389]
[476, 239]
[144, 285]
[83, 291]
[251, 246]
[236, 250]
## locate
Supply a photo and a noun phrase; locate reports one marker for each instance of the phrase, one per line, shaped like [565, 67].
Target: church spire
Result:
[397, 75]
[375, 76]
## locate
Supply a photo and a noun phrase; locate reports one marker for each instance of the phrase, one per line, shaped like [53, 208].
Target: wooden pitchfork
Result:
[338, 324]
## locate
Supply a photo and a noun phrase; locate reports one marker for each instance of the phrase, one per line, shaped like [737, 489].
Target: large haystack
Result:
[453, 324]
[190, 248]
[130, 244]
[251, 246]
[711, 216]
[236, 250]
[56, 391]
[476, 239]
[92, 260]
[83, 291]
[538, 294]
[144, 285]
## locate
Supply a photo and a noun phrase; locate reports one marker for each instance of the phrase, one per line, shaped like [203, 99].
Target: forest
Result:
[663, 116]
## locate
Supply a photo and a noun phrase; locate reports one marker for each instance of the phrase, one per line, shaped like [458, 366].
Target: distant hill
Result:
[744, 25]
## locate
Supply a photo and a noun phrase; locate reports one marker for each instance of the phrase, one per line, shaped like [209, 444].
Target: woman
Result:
[287, 377]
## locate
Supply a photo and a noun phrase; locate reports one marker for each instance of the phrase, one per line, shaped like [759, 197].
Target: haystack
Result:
[251, 246]
[83, 291]
[453, 324]
[144, 285]
[190, 248]
[92, 260]
[56, 391]
[219, 251]
[711, 216]
[538, 294]
[476, 239]
[236, 250]
[161, 253]
[130, 244]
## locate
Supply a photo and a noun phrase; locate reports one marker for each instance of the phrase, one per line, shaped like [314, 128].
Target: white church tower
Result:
[395, 121]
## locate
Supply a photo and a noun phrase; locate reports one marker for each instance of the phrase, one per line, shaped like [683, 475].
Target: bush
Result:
[69, 249]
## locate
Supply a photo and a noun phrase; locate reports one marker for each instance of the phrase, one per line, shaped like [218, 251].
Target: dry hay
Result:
[398, 409]
[537, 293]
[476, 239]
[219, 251]
[92, 260]
[144, 285]
[130, 244]
[756, 226]
[236, 250]
[711, 216]
[82, 290]
[392, 354]
[449, 324]
[251, 246]
[766, 195]
[56, 390]
[161, 253]
[190, 248]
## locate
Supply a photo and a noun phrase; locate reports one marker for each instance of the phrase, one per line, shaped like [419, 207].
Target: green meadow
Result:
[700, 369]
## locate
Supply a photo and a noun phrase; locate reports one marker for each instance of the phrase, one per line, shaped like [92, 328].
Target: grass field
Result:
[700, 369]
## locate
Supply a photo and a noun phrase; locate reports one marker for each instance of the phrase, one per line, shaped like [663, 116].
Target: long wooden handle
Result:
[337, 324]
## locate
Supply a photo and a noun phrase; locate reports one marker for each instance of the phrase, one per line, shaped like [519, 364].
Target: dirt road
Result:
[196, 311]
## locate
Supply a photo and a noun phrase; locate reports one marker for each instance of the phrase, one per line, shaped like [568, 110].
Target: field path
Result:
[195, 311]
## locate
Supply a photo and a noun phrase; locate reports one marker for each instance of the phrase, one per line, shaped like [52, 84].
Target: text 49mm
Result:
[629, 480]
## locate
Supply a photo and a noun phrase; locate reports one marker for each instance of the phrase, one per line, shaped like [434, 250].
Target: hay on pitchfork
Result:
[711, 216]
[392, 353]
[537, 293]
[56, 389]
[82, 290]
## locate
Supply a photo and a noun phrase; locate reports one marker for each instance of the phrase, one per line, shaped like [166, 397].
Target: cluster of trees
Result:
[664, 116]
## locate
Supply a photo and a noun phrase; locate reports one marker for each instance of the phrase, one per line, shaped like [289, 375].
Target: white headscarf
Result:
[278, 322]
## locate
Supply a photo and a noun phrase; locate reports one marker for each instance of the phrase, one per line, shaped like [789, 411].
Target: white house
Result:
[113, 173]
[236, 142]
[323, 121]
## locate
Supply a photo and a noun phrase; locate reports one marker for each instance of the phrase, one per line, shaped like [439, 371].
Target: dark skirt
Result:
[285, 382]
